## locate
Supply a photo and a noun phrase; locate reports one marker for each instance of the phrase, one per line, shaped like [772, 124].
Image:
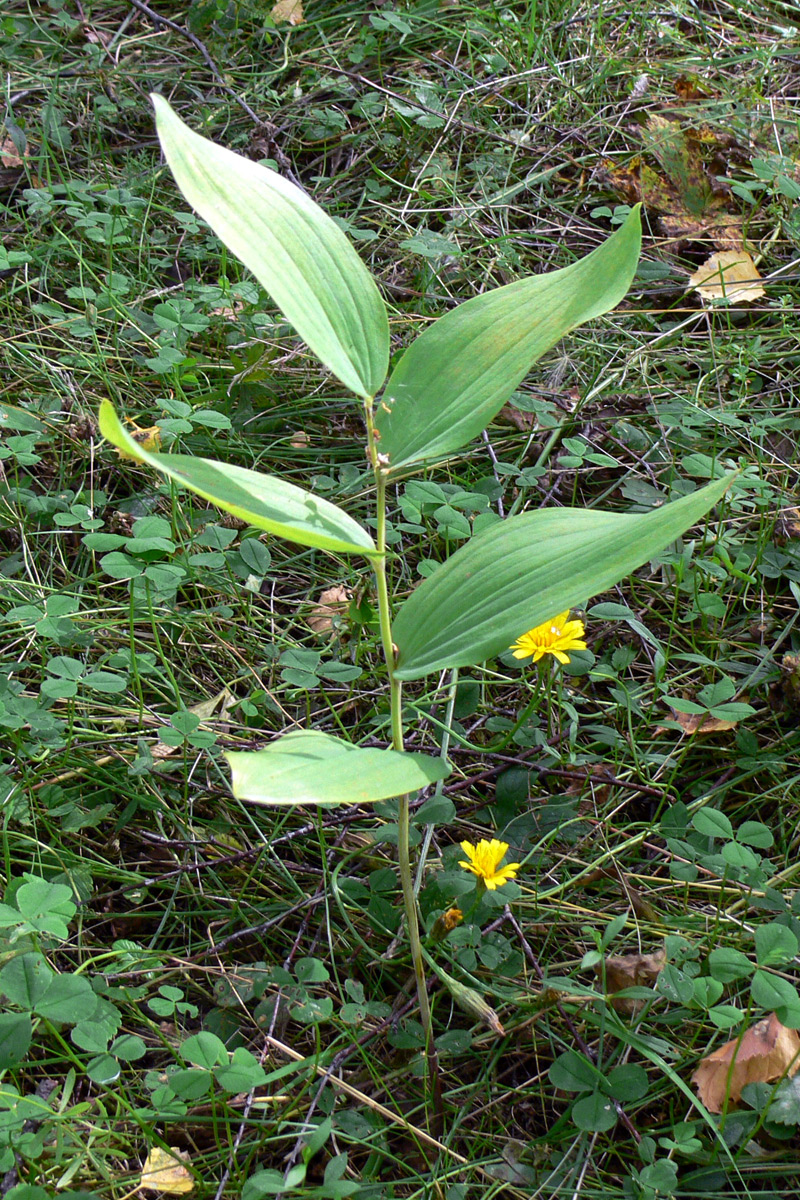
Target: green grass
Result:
[463, 146]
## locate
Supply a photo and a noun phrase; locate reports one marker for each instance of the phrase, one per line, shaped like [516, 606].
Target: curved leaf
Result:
[291, 245]
[460, 372]
[315, 768]
[262, 500]
[520, 573]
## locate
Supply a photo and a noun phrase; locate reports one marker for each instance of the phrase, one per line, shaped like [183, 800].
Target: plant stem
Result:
[396, 711]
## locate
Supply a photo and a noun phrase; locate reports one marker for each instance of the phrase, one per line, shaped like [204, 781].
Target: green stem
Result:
[505, 738]
[396, 711]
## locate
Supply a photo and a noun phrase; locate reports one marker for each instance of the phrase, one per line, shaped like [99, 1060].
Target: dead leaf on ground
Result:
[784, 694]
[290, 11]
[10, 155]
[690, 200]
[765, 1052]
[631, 970]
[689, 89]
[692, 723]
[788, 524]
[149, 439]
[206, 708]
[164, 1171]
[333, 602]
[728, 275]
[521, 420]
[228, 311]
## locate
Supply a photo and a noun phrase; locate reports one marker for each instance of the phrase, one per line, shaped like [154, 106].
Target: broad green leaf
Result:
[572, 1072]
[712, 823]
[262, 500]
[69, 998]
[775, 945]
[626, 1082]
[778, 995]
[315, 768]
[785, 1107]
[25, 979]
[523, 571]
[294, 249]
[460, 372]
[595, 1113]
[16, 1031]
[204, 1050]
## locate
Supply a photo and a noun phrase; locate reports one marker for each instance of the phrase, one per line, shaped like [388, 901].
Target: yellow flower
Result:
[555, 637]
[484, 861]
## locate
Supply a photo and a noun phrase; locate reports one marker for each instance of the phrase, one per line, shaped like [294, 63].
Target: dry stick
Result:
[363, 1098]
[579, 1042]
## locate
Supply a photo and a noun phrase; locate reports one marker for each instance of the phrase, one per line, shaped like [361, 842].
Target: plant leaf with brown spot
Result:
[765, 1052]
[631, 970]
[728, 275]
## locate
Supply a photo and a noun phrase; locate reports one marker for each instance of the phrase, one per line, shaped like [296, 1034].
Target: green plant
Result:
[442, 391]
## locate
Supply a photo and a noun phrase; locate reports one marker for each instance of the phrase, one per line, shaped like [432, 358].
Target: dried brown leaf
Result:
[10, 155]
[728, 275]
[333, 602]
[784, 694]
[290, 11]
[689, 199]
[700, 723]
[765, 1052]
[631, 970]
[509, 415]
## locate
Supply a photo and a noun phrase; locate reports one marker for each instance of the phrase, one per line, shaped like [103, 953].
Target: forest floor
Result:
[182, 969]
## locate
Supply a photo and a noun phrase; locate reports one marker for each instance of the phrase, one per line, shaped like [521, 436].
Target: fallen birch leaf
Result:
[290, 11]
[333, 602]
[728, 275]
[631, 970]
[765, 1052]
[206, 708]
[164, 1171]
[700, 723]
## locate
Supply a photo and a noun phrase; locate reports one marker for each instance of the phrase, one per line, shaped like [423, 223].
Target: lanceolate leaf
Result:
[460, 372]
[520, 573]
[262, 500]
[315, 768]
[293, 248]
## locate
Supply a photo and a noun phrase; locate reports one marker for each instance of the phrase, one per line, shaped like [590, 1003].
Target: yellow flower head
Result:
[555, 637]
[484, 861]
